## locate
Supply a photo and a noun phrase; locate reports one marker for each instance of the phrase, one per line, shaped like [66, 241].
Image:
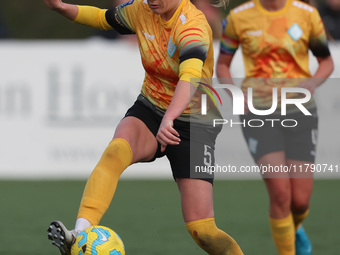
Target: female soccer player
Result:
[175, 43]
[275, 36]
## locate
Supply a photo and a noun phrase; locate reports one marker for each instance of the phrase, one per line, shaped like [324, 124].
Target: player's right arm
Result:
[69, 11]
[121, 19]
[228, 46]
[85, 15]
[223, 66]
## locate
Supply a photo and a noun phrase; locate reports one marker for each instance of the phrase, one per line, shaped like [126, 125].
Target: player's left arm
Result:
[193, 45]
[180, 101]
[318, 44]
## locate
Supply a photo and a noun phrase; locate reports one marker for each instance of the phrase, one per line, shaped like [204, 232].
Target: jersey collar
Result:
[273, 13]
[168, 23]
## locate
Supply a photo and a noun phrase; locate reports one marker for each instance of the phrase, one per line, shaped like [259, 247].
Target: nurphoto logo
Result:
[238, 104]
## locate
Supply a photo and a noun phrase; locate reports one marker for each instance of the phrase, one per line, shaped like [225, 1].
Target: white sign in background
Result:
[60, 102]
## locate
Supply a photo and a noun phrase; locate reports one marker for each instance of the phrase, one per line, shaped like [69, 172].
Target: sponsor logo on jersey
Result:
[127, 3]
[183, 18]
[171, 48]
[244, 7]
[295, 32]
[304, 6]
[148, 36]
[254, 33]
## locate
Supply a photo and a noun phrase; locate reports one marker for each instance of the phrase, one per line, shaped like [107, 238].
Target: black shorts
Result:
[280, 133]
[197, 141]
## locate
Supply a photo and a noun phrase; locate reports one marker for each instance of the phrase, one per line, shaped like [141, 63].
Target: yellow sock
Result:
[283, 232]
[211, 239]
[299, 218]
[101, 185]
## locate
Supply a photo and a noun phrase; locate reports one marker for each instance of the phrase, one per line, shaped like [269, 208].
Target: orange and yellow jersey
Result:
[274, 44]
[165, 46]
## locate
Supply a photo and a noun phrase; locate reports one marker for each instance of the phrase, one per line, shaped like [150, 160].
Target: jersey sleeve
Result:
[229, 39]
[318, 42]
[92, 16]
[123, 17]
[193, 42]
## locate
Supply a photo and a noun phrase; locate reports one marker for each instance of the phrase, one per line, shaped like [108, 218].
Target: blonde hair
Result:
[221, 3]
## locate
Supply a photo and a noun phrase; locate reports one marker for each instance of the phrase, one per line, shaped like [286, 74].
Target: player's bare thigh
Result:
[196, 199]
[302, 185]
[142, 142]
[277, 183]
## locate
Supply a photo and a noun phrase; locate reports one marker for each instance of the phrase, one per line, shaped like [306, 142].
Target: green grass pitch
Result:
[147, 216]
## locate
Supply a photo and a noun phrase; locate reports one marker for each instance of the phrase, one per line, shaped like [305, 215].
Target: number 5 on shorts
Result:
[207, 155]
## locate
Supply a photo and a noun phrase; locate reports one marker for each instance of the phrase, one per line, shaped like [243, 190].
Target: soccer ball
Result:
[98, 240]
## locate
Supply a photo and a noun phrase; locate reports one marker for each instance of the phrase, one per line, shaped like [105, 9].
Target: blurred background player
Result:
[175, 44]
[275, 36]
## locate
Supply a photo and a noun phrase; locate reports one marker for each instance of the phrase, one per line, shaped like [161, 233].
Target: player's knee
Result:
[115, 159]
[118, 149]
[300, 205]
[281, 199]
